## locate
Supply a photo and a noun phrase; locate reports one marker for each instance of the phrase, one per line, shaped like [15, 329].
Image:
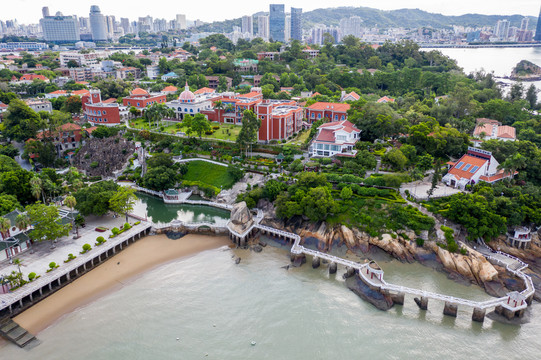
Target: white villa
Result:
[476, 165]
[190, 104]
[335, 138]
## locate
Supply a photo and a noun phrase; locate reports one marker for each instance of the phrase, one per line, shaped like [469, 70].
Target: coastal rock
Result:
[241, 218]
[526, 70]
[347, 236]
[382, 302]
[392, 246]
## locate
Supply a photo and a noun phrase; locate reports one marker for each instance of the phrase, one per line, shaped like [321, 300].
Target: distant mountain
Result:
[407, 18]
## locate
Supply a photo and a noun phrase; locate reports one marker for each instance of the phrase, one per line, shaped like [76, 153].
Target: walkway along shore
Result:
[512, 305]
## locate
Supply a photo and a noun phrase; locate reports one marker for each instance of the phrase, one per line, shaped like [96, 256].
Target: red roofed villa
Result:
[328, 111]
[476, 165]
[335, 138]
[488, 129]
[140, 99]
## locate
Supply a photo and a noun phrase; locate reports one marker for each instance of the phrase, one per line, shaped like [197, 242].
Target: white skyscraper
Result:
[247, 25]
[60, 28]
[501, 30]
[263, 27]
[524, 24]
[181, 21]
[351, 26]
[98, 24]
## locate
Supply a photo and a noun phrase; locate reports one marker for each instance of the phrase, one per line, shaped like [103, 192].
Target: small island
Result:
[526, 71]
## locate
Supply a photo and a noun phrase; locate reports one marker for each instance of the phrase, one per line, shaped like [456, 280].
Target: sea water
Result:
[206, 306]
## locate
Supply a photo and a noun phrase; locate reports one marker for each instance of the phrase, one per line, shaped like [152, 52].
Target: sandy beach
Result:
[142, 256]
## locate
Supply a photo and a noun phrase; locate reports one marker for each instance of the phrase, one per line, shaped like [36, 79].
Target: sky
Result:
[29, 11]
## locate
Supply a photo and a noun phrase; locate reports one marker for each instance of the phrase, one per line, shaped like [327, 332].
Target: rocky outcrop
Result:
[241, 218]
[102, 157]
[526, 70]
[379, 300]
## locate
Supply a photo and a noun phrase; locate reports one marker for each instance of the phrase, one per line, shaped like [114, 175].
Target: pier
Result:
[19, 300]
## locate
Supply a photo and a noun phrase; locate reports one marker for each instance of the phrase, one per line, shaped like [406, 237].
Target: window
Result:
[474, 169]
[467, 167]
[335, 117]
[319, 116]
[104, 112]
[459, 165]
[313, 115]
[138, 104]
[191, 110]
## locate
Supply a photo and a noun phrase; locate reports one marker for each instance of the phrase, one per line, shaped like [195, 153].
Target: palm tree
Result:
[22, 221]
[5, 225]
[36, 187]
[18, 262]
[70, 202]
[157, 112]
[512, 164]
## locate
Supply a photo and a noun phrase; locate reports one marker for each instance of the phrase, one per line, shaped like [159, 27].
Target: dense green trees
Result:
[47, 225]
[159, 178]
[95, 198]
[20, 121]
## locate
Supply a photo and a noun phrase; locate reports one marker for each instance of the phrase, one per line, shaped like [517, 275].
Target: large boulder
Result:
[241, 218]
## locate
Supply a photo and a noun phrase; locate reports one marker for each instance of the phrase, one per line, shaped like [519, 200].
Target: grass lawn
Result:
[225, 132]
[209, 173]
[300, 139]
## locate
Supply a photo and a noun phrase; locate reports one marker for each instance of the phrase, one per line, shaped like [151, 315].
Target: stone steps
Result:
[13, 332]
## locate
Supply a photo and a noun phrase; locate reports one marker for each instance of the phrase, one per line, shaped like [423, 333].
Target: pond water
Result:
[158, 212]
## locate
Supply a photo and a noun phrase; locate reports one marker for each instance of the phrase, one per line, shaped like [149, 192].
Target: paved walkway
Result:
[37, 258]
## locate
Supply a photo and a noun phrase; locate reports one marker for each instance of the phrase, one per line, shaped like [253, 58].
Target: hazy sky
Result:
[29, 11]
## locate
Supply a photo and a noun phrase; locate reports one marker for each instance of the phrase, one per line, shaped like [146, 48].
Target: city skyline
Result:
[211, 13]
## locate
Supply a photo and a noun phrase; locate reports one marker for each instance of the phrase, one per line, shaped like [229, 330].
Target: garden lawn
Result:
[209, 173]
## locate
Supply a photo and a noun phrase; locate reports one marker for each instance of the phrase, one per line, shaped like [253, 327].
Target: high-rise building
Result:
[277, 22]
[60, 28]
[287, 30]
[537, 36]
[247, 25]
[181, 21]
[45, 11]
[296, 24]
[318, 34]
[524, 24]
[263, 27]
[98, 24]
[125, 25]
[501, 30]
[110, 21]
[351, 26]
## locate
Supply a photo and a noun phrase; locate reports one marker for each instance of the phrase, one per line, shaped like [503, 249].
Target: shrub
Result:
[52, 266]
[137, 223]
[100, 240]
[127, 226]
[70, 257]
[463, 251]
[94, 164]
[86, 247]
[115, 231]
[420, 242]
[31, 276]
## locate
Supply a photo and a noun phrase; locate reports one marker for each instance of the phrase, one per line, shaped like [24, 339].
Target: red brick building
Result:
[279, 119]
[101, 112]
[140, 99]
[328, 111]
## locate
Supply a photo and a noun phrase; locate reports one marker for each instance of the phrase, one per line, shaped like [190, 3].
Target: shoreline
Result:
[142, 256]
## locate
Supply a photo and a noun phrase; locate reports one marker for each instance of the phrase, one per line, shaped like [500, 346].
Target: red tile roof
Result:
[330, 106]
[139, 91]
[251, 94]
[486, 128]
[32, 77]
[385, 99]
[498, 176]
[507, 132]
[354, 95]
[91, 129]
[170, 88]
[80, 92]
[325, 135]
[467, 159]
[204, 90]
[109, 101]
[63, 92]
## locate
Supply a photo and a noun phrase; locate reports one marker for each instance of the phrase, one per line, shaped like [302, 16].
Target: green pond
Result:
[158, 212]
